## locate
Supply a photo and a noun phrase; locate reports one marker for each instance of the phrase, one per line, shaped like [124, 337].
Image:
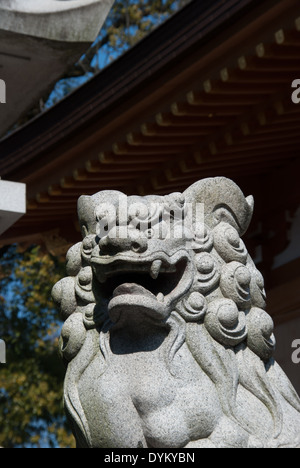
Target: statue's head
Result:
[142, 257]
[138, 251]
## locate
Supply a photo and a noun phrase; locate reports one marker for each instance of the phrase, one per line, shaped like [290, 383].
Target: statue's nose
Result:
[120, 240]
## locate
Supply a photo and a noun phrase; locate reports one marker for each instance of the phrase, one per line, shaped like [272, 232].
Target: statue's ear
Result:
[87, 206]
[85, 214]
[223, 201]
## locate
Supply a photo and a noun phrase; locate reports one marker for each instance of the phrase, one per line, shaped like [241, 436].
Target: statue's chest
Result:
[175, 400]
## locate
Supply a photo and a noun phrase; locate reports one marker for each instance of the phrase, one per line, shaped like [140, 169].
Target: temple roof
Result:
[206, 94]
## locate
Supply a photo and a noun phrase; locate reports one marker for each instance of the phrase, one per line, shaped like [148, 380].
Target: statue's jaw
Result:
[143, 285]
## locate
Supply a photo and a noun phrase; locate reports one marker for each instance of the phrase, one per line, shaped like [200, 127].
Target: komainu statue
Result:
[166, 339]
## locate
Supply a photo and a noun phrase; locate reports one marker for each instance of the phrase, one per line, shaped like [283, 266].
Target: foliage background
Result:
[31, 381]
[31, 409]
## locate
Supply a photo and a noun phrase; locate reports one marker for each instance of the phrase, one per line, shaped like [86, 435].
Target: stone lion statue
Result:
[166, 339]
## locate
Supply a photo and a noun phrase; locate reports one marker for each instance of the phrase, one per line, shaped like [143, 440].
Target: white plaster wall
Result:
[12, 203]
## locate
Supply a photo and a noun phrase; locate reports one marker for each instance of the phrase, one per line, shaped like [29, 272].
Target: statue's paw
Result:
[203, 443]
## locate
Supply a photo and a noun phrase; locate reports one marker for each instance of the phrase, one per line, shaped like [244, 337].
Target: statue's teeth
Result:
[155, 268]
[160, 297]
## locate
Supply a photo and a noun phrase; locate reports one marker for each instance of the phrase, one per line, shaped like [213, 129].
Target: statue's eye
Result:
[150, 233]
[158, 231]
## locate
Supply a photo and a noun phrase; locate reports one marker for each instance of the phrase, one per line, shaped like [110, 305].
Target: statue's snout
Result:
[123, 240]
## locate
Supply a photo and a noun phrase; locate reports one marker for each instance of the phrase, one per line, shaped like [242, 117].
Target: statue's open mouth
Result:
[148, 283]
